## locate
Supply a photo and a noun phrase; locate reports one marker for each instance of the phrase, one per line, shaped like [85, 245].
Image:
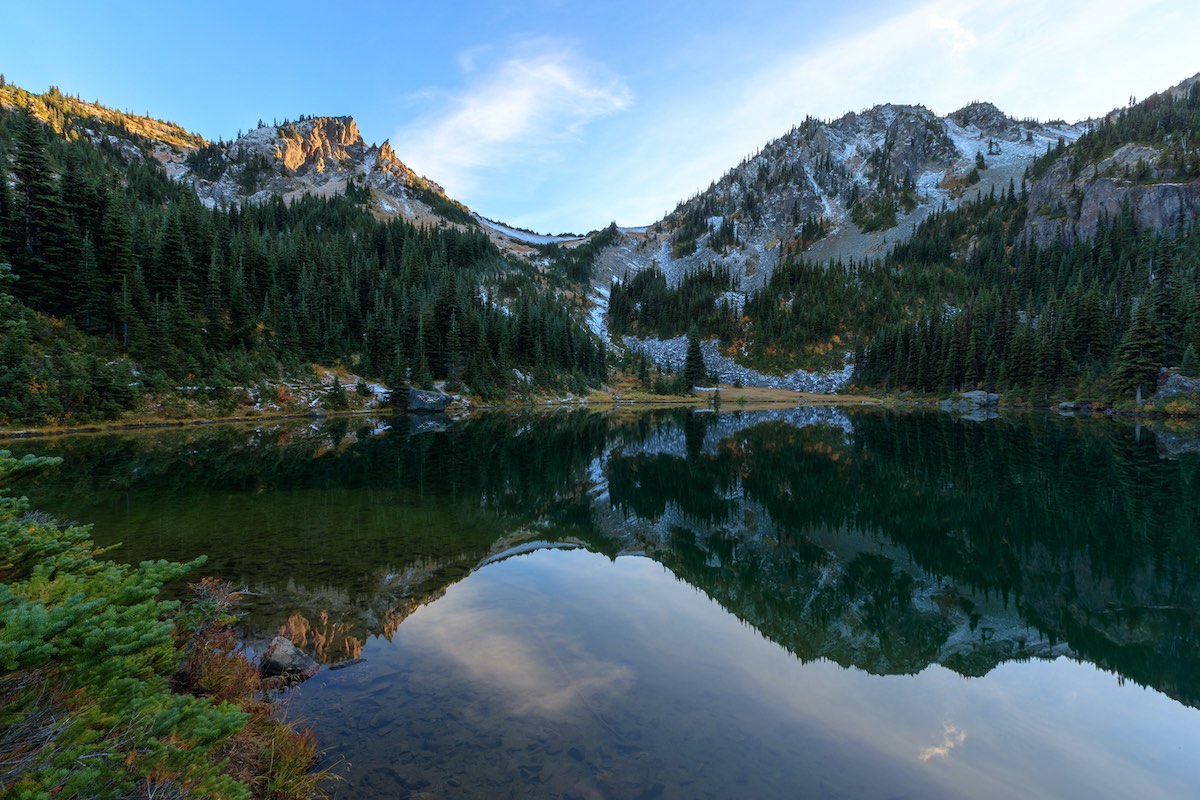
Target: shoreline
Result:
[732, 399]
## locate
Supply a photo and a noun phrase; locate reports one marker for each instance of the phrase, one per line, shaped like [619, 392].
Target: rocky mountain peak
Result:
[841, 189]
[311, 143]
[312, 155]
[984, 116]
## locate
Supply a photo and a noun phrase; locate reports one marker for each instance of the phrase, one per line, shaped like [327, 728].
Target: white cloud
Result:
[961, 39]
[523, 109]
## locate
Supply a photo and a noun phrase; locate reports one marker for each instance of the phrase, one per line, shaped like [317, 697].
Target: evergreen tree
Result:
[1191, 364]
[454, 352]
[41, 247]
[336, 398]
[1139, 356]
[694, 369]
[89, 296]
[7, 214]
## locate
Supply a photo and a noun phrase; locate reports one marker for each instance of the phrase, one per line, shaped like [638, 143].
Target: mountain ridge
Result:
[833, 205]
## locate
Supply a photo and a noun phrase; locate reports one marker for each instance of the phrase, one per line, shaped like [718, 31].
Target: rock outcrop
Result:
[976, 404]
[282, 658]
[314, 155]
[1172, 385]
[1072, 206]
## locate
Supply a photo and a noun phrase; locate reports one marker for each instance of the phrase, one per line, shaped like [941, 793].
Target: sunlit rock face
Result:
[307, 146]
[322, 156]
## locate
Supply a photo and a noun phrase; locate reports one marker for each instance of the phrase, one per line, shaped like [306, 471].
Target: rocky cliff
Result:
[315, 155]
[1070, 202]
[1146, 172]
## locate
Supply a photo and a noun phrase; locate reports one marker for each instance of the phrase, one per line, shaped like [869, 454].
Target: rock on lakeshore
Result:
[283, 658]
[420, 400]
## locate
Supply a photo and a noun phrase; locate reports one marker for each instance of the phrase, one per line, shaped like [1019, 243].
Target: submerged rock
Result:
[283, 658]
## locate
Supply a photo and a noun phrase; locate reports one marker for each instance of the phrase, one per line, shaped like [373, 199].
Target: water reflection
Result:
[748, 604]
[566, 674]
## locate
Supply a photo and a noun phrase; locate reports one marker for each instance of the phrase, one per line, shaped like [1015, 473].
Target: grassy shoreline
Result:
[731, 399]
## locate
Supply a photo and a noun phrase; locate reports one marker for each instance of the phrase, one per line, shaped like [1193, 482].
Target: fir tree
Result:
[1191, 364]
[694, 369]
[1139, 356]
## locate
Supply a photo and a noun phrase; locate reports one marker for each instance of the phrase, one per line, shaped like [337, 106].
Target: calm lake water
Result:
[804, 603]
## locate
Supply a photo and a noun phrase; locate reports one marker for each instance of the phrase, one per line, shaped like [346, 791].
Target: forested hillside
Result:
[123, 283]
[977, 297]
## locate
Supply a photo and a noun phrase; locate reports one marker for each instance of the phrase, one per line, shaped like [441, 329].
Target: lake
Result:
[810, 602]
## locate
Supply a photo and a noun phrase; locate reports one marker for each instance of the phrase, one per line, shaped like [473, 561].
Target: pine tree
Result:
[694, 369]
[116, 256]
[89, 295]
[421, 376]
[1191, 364]
[41, 245]
[336, 398]
[1139, 356]
[454, 352]
[7, 219]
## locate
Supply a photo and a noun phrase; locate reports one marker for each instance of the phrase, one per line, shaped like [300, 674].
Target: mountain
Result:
[932, 254]
[891, 248]
[153, 270]
[320, 156]
[840, 189]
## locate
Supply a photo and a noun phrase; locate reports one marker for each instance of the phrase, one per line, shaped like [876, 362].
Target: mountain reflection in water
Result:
[895, 544]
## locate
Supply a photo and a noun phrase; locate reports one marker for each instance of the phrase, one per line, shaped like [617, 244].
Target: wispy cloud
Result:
[939, 53]
[952, 737]
[520, 108]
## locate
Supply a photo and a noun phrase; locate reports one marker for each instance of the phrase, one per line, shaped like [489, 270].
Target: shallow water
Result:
[809, 603]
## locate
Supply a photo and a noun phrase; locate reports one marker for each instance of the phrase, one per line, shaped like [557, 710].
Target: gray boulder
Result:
[427, 402]
[1172, 384]
[981, 398]
[283, 658]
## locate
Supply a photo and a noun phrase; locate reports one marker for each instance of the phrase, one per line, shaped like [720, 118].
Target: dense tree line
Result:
[576, 262]
[643, 304]
[106, 241]
[1083, 319]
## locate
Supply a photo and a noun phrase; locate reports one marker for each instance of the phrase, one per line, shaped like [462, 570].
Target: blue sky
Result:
[558, 115]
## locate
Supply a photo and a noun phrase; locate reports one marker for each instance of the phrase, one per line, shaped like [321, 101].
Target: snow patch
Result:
[524, 236]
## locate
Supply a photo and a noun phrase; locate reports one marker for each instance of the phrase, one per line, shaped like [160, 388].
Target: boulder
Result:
[1172, 384]
[283, 658]
[981, 398]
[427, 402]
